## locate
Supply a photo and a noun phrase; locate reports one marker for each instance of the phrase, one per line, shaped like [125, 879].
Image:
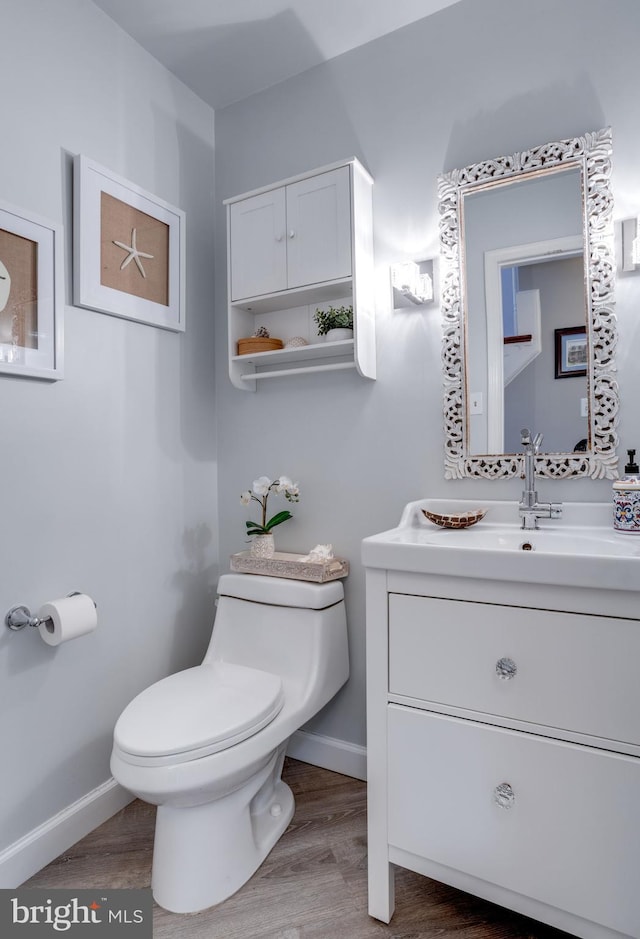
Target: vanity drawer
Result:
[571, 672]
[562, 827]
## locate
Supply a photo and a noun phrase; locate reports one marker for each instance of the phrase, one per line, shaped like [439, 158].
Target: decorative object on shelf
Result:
[335, 323]
[455, 519]
[129, 249]
[262, 489]
[296, 342]
[321, 552]
[31, 300]
[291, 566]
[260, 341]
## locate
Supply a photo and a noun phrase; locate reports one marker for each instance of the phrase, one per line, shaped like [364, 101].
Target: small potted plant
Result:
[335, 323]
[262, 545]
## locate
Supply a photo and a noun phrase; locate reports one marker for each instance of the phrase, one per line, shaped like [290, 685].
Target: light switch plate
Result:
[475, 403]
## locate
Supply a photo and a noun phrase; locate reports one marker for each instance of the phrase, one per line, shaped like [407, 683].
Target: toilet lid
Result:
[206, 709]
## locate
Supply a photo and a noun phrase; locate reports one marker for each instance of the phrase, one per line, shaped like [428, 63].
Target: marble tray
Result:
[291, 566]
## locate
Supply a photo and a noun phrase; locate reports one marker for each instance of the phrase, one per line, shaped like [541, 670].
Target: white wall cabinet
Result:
[293, 247]
[258, 246]
[291, 236]
[504, 746]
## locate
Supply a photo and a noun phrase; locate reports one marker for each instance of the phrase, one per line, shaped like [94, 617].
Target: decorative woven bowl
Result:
[258, 344]
[455, 519]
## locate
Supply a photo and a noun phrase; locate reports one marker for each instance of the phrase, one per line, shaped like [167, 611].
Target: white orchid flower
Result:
[292, 492]
[261, 485]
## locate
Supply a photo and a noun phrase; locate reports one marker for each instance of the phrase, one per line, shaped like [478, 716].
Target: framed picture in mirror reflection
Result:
[572, 352]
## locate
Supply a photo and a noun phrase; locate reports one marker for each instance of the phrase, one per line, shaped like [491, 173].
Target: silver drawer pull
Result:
[506, 668]
[504, 796]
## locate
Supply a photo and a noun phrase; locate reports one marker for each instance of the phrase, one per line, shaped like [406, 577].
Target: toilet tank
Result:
[293, 628]
[281, 591]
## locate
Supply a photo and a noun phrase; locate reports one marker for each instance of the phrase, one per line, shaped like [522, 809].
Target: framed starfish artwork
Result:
[129, 249]
[31, 300]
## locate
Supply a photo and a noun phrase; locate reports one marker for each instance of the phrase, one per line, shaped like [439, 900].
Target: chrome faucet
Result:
[529, 508]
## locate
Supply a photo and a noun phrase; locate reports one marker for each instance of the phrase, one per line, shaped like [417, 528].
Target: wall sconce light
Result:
[630, 249]
[412, 283]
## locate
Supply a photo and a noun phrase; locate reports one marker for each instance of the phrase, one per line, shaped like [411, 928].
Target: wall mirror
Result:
[527, 274]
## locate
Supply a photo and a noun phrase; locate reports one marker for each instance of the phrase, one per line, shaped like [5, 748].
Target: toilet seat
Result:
[197, 712]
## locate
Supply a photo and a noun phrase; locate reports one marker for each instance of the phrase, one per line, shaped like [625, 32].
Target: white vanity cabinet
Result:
[293, 247]
[504, 745]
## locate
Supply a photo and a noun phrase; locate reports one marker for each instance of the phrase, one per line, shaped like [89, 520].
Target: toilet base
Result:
[203, 854]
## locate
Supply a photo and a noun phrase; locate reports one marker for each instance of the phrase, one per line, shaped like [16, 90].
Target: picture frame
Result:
[31, 295]
[571, 352]
[129, 249]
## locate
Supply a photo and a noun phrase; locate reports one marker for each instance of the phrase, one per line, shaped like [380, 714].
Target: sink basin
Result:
[583, 541]
[580, 549]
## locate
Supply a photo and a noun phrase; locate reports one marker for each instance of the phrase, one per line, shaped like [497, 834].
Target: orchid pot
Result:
[263, 546]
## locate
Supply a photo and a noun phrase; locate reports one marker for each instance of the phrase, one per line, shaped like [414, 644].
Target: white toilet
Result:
[207, 745]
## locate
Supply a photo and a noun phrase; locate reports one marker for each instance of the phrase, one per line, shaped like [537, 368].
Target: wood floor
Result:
[313, 885]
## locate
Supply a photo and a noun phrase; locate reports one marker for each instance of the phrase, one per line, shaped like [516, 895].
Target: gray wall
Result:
[474, 81]
[107, 477]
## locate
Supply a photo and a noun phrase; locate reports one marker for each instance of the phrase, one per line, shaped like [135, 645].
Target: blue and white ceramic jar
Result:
[626, 498]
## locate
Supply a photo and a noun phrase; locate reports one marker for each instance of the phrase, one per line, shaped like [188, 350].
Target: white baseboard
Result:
[25, 857]
[350, 759]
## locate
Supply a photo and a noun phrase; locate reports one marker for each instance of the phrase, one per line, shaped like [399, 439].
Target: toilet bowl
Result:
[207, 744]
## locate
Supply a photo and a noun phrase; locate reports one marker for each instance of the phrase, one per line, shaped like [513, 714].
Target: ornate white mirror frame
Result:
[592, 155]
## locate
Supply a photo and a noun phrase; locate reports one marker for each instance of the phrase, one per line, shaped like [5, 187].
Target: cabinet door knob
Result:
[292, 234]
[279, 237]
[504, 796]
[506, 668]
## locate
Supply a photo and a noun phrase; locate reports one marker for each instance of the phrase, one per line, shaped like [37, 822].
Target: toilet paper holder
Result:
[20, 616]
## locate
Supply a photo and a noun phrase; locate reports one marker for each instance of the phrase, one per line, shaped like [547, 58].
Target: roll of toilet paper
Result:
[67, 618]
